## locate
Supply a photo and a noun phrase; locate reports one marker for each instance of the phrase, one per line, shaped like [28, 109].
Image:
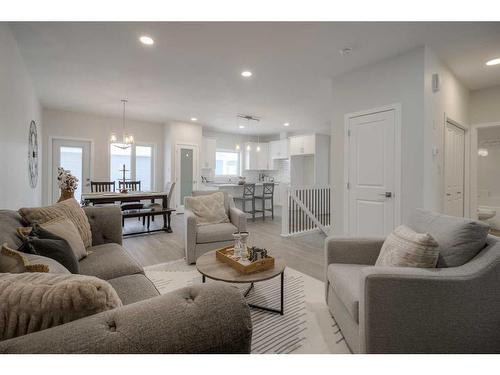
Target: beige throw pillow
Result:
[406, 248]
[65, 229]
[69, 209]
[209, 209]
[33, 302]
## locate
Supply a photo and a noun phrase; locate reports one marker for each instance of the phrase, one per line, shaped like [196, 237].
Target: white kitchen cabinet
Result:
[303, 145]
[278, 149]
[257, 160]
[209, 146]
[310, 160]
[263, 157]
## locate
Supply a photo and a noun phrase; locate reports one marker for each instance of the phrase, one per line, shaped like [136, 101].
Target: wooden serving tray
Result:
[224, 255]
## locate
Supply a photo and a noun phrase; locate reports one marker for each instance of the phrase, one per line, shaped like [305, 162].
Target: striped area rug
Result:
[306, 326]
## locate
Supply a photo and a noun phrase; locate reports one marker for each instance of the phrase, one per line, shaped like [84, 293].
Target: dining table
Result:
[117, 197]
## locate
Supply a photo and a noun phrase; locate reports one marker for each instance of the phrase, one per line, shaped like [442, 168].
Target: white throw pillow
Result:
[209, 209]
[33, 302]
[406, 248]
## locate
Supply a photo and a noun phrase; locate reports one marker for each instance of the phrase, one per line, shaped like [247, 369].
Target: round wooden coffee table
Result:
[214, 269]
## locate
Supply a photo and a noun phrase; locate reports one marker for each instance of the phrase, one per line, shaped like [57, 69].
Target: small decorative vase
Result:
[66, 194]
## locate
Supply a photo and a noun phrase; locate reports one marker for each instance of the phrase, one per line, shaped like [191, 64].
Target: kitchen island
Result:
[236, 190]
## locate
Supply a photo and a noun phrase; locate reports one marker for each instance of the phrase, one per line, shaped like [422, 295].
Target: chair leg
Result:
[263, 208]
[143, 220]
[149, 221]
[272, 208]
[253, 209]
[123, 221]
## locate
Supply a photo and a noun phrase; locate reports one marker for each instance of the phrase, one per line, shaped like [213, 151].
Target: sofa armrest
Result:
[191, 230]
[352, 250]
[212, 318]
[238, 218]
[105, 224]
[428, 310]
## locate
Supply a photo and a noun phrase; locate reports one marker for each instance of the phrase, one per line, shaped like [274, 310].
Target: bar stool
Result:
[248, 195]
[267, 194]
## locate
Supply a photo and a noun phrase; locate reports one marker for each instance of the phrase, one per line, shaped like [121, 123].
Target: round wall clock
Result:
[33, 155]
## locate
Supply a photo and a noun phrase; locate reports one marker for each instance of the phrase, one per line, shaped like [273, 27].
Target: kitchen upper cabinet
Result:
[303, 145]
[208, 149]
[279, 149]
[257, 156]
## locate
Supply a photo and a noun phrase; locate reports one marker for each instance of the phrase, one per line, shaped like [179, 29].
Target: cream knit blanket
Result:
[31, 302]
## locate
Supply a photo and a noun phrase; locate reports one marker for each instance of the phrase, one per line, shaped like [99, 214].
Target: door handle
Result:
[387, 194]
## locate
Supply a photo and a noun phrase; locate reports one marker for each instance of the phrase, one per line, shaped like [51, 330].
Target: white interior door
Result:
[454, 170]
[371, 174]
[186, 172]
[72, 155]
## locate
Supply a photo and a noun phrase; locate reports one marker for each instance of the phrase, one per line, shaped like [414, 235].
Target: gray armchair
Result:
[200, 239]
[413, 310]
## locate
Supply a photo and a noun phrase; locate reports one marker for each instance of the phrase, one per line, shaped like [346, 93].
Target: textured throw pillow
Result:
[33, 302]
[13, 261]
[459, 239]
[64, 228]
[209, 209]
[44, 243]
[69, 209]
[406, 248]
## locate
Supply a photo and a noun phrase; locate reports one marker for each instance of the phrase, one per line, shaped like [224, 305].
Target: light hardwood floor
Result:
[304, 253]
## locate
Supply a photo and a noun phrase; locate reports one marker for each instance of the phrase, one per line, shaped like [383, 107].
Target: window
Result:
[138, 162]
[144, 166]
[227, 163]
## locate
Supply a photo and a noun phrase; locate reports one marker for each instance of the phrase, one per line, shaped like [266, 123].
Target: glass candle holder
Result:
[244, 247]
[237, 244]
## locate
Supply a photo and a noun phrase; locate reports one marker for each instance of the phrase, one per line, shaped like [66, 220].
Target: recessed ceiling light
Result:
[241, 126]
[146, 40]
[194, 119]
[493, 62]
[286, 124]
[246, 73]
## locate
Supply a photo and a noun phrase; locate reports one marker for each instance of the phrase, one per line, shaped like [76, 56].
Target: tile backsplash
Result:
[280, 174]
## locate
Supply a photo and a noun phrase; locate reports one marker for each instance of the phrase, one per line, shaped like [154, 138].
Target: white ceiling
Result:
[194, 68]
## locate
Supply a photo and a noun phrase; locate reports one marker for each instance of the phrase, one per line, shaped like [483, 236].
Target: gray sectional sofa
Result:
[454, 309]
[211, 318]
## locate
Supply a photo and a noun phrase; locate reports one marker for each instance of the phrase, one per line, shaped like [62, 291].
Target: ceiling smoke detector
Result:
[345, 51]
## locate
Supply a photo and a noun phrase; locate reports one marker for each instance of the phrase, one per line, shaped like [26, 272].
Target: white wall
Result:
[485, 105]
[395, 80]
[59, 123]
[18, 106]
[451, 101]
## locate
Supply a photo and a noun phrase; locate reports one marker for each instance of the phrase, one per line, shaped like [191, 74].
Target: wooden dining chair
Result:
[102, 186]
[130, 185]
[131, 205]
